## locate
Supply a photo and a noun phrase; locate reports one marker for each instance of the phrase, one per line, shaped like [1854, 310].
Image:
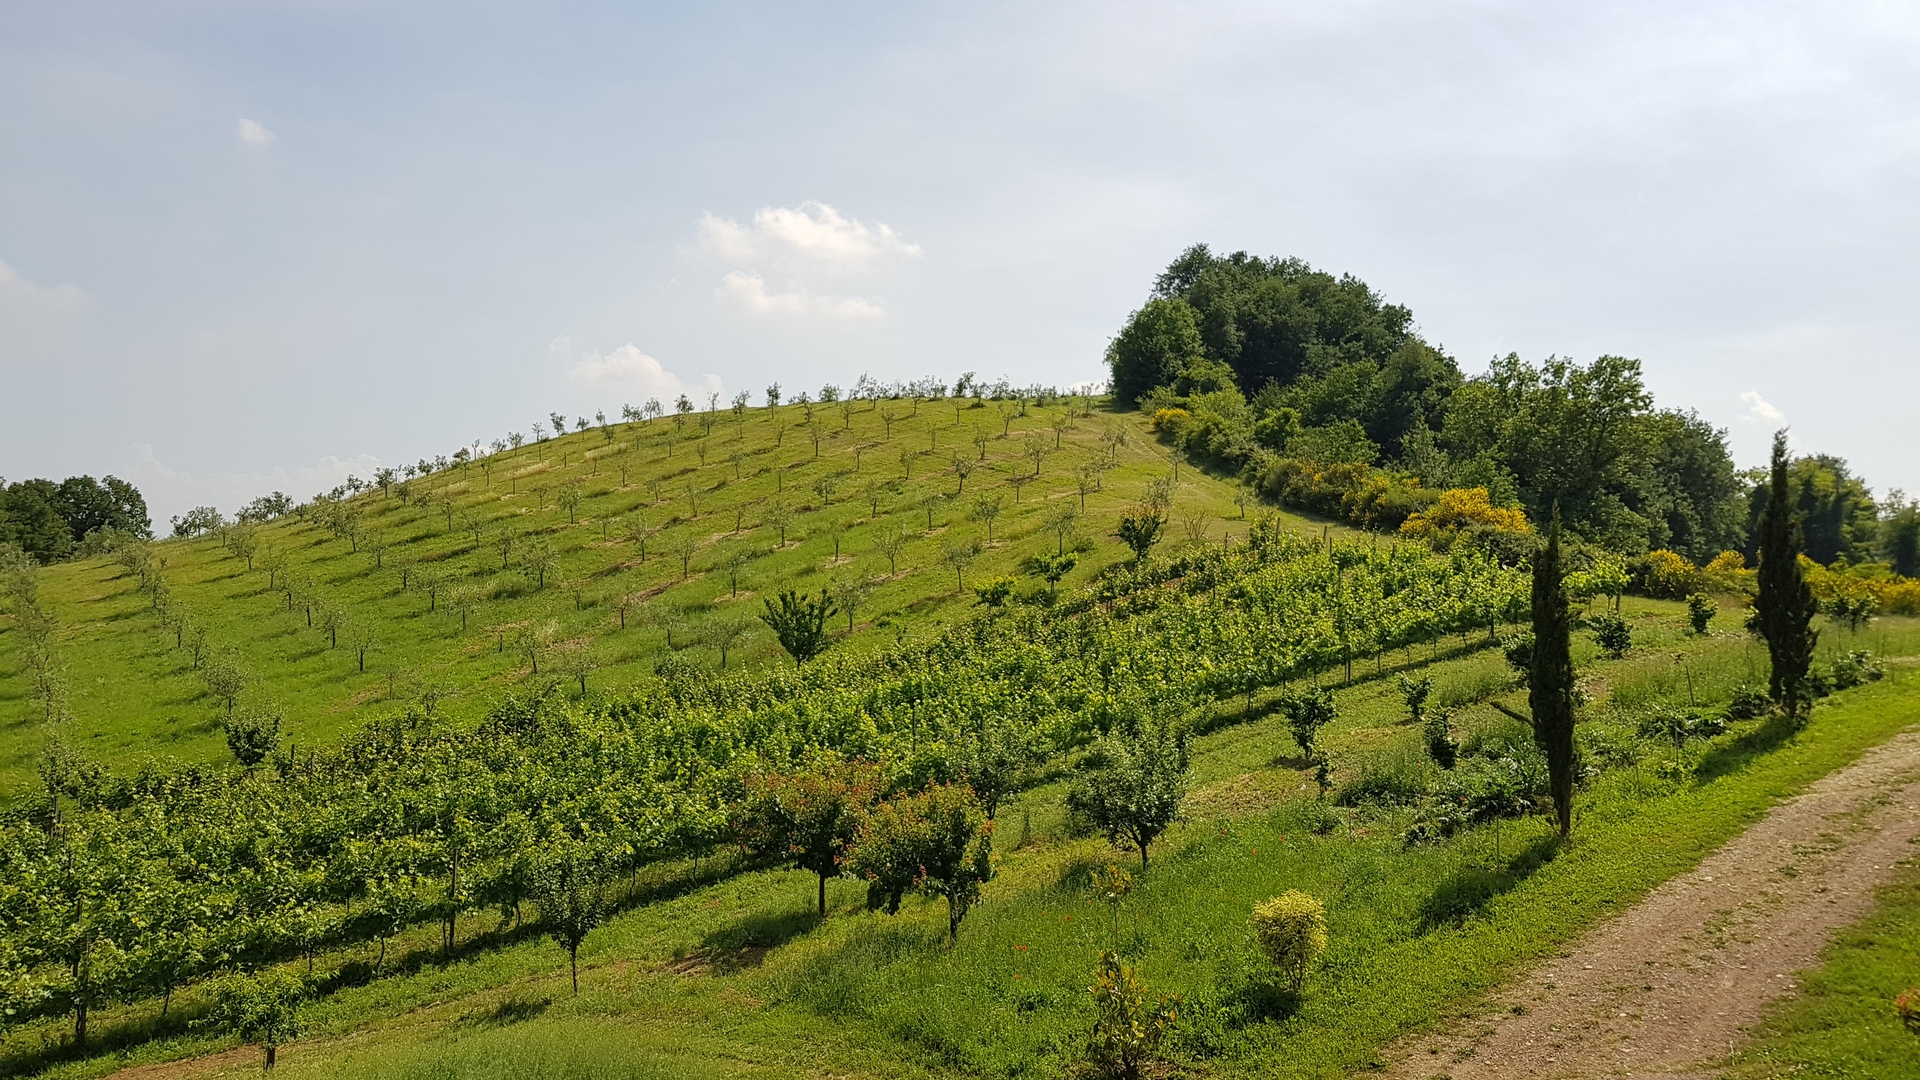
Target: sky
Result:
[257, 246]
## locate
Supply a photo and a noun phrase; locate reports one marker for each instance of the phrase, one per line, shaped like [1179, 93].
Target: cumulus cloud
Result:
[629, 372]
[1759, 411]
[812, 233]
[254, 133]
[170, 491]
[748, 290]
[17, 288]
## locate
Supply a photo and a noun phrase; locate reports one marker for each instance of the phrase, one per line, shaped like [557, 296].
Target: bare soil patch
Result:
[1670, 987]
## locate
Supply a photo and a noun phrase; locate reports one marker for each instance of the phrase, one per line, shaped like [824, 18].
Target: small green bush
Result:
[1749, 703]
[1292, 931]
[1128, 1026]
[1612, 633]
[1700, 612]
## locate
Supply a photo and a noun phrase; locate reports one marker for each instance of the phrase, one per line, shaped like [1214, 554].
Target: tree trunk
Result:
[823, 896]
[270, 1055]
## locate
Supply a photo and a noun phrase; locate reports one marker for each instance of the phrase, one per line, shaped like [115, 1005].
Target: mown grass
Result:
[136, 695]
[1842, 1023]
[739, 975]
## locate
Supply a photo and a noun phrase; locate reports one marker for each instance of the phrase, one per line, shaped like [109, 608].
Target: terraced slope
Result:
[591, 557]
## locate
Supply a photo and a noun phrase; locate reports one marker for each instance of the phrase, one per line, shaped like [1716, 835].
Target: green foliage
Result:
[937, 841]
[1785, 608]
[1700, 612]
[253, 735]
[1854, 608]
[994, 593]
[799, 622]
[1837, 516]
[1139, 529]
[1292, 932]
[1155, 346]
[262, 1008]
[1307, 711]
[1436, 732]
[1611, 633]
[1136, 785]
[1129, 1025]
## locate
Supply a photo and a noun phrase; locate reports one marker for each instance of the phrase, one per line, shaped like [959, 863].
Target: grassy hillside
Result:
[594, 549]
[716, 970]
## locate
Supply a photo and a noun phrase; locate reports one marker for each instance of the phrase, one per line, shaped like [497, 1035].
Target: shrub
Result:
[1748, 703]
[1388, 779]
[1128, 1025]
[994, 593]
[1678, 726]
[1612, 633]
[1700, 612]
[1855, 607]
[1907, 1005]
[1727, 572]
[1292, 931]
[1518, 650]
[1461, 511]
[1669, 575]
[1307, 711]
[1849, 671]
[1439, 739]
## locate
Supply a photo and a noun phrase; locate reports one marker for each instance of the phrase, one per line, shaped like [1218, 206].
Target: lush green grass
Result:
[1842, 1023]
[738, 975]
[134, 693]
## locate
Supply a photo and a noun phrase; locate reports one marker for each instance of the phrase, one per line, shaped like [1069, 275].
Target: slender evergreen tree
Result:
[1786, 605]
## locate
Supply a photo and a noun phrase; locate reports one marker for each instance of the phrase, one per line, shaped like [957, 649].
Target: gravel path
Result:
[1670, 987]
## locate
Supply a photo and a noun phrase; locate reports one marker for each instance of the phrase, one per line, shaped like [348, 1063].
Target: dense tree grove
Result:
[50, 521]
[1323, 395]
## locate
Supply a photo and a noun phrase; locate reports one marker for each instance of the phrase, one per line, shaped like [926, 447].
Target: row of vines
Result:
[116, 888]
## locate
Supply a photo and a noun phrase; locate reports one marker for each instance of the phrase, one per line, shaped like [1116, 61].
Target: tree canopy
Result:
[48, 520]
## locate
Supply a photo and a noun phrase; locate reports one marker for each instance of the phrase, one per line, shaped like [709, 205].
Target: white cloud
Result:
[171, 492]
[748, 290]
[254, 133]
[17, 288]
[1759, 411]
[628, 371]
[812, 233]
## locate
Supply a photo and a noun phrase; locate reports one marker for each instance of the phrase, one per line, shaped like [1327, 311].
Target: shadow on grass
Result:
[1720, 761]
[514, 1010]
[1467, 891]
[743, 942]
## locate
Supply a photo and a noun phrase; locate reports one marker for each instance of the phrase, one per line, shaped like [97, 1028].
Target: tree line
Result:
[1323, 395]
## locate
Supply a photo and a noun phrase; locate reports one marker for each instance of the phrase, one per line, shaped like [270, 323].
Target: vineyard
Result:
[182, 875]
[784, 757]
[592, 556]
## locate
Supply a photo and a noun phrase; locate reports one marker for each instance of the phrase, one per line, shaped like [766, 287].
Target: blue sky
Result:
[255, 246]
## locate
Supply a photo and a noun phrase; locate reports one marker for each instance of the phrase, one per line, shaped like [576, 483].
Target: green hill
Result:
[593, 556]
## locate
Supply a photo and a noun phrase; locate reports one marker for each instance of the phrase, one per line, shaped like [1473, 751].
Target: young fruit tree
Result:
[262, 1008]
[1137, 786]
[938, 841]
[800, 623]
[808, 816]
[1292, 931]
[568, 887]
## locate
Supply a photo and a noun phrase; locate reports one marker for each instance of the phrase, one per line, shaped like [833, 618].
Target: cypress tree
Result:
[1550, 693]
[1786, 605]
